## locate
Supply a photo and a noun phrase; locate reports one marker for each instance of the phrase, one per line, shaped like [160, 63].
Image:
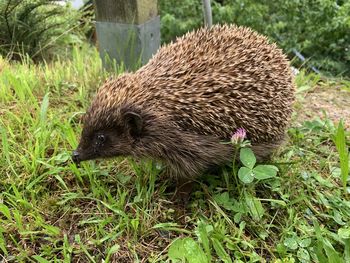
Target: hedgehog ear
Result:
[134, 122]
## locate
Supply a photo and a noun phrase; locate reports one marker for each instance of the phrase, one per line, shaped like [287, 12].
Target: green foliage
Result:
[249, 171]
[119, 210]
[39, 28]
[319, 29]
[191, 251]
[179, 17]
[340, 142]
[186, 250]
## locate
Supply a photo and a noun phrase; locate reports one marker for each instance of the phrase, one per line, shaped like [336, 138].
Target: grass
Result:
[120, 211]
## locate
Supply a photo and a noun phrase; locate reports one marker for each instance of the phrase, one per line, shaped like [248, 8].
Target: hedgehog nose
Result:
[75, 157]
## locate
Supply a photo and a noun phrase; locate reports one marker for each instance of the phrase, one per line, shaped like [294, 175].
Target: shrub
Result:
[318, 29]
[39, 28]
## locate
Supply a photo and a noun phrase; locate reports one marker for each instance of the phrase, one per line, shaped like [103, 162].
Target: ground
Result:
[333, 101]
[122, 211]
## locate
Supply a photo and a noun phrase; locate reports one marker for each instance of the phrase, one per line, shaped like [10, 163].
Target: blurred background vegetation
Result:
[40, 29]
[319, 30]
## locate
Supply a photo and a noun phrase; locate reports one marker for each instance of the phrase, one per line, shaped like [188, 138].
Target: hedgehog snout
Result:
[76, 157]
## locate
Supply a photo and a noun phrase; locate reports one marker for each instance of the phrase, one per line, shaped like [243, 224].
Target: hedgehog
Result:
[189, 98]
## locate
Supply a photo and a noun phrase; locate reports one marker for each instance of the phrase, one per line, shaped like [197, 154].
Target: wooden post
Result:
[127, 31]
[208, 19]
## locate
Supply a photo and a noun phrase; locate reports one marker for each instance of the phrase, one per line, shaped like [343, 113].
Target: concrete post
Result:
[127, 31]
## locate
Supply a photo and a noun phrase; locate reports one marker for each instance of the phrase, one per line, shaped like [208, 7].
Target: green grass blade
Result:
[43, 109]
[40, 259]
[220, 251]
[340, 143]
[6, 149]
[347, 250]
[5, 211]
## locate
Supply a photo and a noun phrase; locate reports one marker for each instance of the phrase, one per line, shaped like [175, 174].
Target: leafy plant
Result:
[249, 171]
[324, 249]
[39, 28]
[187, 250]
[191, 251]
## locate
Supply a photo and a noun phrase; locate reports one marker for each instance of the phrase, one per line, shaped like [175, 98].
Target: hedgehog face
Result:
[110, 136]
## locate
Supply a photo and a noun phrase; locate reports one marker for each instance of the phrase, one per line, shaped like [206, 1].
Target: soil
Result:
[324, 101]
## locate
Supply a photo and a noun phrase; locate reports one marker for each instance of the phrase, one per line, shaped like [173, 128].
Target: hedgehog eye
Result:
[101, 138]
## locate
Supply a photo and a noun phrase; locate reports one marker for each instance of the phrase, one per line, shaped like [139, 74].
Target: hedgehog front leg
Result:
[183, 174]
[195, 155]
[189, 163]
